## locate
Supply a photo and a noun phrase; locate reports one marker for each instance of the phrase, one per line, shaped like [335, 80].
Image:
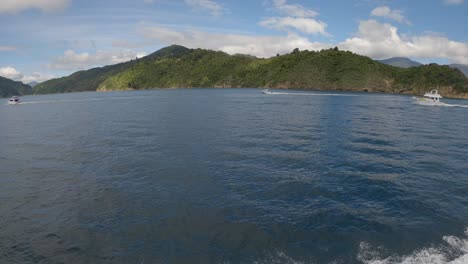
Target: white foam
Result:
[439, 104]
[84, 100]
[311, 94]
[454, 250]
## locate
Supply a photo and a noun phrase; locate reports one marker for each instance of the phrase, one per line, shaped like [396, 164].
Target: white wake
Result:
[83, 100]
[454, 250]
[310, 94]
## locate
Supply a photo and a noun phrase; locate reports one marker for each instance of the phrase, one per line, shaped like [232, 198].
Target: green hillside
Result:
[9, 88]
[331, 69]
[90, 80]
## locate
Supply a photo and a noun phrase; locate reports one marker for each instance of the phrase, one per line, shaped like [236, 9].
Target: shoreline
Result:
[462, 96]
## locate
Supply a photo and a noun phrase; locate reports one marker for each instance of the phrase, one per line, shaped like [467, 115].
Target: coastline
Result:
[447, 92]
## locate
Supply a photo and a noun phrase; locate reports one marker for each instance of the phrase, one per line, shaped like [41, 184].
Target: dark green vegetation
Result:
[401, 62]
[331, 69]
[9, 88]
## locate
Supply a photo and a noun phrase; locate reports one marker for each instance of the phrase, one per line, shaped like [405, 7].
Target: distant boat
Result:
[267, 91]
[431, 98]
[14, 100]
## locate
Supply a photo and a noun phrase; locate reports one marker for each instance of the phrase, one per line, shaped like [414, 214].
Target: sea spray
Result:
[454, 250]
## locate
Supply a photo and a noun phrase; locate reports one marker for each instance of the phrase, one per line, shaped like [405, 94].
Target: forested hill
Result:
[9, 88]
[331, 69]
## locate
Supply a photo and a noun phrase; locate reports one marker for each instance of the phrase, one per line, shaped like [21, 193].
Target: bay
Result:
[232, 176]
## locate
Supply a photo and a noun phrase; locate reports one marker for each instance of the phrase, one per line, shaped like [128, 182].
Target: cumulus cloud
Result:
[16, 75]
[373, 39]
[37, 77]
[11, 73]
[15, 6]
[211, 6]
[381, 40]
[305, 25]
[294, 10]
[72, 60]
[260, 46]
[387, 12]
[453, 2]
[297, 17]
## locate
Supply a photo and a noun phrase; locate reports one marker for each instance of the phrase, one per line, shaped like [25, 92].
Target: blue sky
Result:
[42, 39]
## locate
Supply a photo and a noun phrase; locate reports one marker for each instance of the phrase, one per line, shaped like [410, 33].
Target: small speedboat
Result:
[266, 91]
[431, 98]
[14, 100]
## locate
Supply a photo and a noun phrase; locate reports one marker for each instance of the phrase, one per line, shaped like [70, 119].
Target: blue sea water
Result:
[232, 176]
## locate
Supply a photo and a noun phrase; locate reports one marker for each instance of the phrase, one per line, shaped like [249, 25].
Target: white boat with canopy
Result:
[431, 98]
[14, 100]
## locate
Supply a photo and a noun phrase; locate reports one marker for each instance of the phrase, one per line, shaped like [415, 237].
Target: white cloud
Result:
[15, 6]
[37, 77]
[305, 25]
[387, 12]
[374, 39]
[13, 74]
[7, 48]
[381, 40]
[72, 60]
[213, 7]
[260, 46]
[294, 10]
[297, 17]
[453, 2]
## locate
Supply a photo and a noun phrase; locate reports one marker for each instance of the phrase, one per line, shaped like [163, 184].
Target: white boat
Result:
[14, 100]
[266, 91]
[431, 98]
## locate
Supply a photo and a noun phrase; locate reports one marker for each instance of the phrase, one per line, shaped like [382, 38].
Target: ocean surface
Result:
[232, 176]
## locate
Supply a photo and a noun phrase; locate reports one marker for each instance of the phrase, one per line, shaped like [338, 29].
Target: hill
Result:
[90, 80]
[331, 69]
[463, 68]
[10, 88]
[401, 62]
[33, 83]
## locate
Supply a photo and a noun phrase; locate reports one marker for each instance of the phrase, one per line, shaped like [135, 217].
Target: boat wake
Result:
[454, 105]
[83, 100]
[454, 250]
[309, 94]
[440, 104]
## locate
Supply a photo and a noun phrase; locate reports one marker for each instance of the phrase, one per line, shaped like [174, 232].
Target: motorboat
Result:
[431, 98]
[267, 91]
[14, 100]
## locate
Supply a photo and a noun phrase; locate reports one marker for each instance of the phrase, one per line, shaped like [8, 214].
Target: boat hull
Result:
[424, 101]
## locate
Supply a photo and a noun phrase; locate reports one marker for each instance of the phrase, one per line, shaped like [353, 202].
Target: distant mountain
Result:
[331, 69]
[401, 62]
[9, 88]
[462, 67]
[33, 83]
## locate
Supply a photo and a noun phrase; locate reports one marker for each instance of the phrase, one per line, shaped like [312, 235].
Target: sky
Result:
[44, 39]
